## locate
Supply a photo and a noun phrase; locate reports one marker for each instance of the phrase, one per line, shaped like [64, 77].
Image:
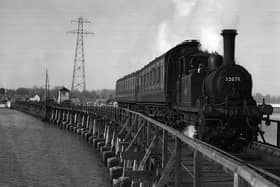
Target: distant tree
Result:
[106, 93]
[267, 98]
[258, 97]
[22, 91]
[2, 90]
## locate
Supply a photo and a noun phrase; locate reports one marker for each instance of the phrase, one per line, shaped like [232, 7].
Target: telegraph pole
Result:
[47, 86]
[79, 76]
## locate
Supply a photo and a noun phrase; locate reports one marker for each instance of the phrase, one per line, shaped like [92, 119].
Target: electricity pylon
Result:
[79, 76]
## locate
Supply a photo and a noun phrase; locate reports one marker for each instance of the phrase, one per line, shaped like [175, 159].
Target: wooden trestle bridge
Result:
[140, 151]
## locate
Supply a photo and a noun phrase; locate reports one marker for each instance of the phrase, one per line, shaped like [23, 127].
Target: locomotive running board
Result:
[187, 109]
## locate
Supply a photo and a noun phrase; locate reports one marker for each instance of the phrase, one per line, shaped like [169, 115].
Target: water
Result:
[270, 132]
[34, 153]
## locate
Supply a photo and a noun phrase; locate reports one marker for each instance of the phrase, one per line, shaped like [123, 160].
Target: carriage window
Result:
[181, 65]
[159, 72]
[148, 79]
[154, 75]
[151, 77]
[132, 86]
[144, 80]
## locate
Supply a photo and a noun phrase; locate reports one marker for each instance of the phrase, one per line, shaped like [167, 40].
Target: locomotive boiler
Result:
[187, 86]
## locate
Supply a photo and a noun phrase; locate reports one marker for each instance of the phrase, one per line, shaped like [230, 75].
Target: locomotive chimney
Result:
[229, 44]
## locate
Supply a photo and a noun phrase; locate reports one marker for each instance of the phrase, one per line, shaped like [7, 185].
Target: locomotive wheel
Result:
[219, 134]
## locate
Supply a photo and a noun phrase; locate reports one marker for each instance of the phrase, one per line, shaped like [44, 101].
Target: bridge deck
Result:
[138, 149]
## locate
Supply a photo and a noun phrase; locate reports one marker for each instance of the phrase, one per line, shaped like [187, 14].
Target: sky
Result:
[129, 34]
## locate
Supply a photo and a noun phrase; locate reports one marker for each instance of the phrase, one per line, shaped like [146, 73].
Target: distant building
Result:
[35, 98]
[63, 94]
[75, 101]
[2, 91]
[101, 102]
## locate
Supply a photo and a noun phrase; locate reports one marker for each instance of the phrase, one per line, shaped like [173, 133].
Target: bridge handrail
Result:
[245, 172]
[249, 175]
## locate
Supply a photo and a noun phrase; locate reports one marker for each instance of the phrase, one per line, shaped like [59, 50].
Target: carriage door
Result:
[179, 80]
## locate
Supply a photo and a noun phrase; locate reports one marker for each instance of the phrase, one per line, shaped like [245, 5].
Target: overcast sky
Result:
[129, 34]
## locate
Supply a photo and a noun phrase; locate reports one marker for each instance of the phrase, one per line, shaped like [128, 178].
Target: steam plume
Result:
[198, 19]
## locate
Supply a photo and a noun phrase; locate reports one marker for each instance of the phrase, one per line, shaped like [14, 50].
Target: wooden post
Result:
[83, 120]
[52, 115]
[278, 134]
[164, 148]
[79, 119]
[75, 118]
[64, 115]
[104, 124]
[239, 182]
[167, 170]
[148, 134]
[113, 140]
[90, 125]
[55, 115]
[197, 159]
[87, 122]
[71, 118]
[94, 128]
[142, 138]
[98, 126]
[121, 116]
[59, 116]
[178, 174]
[67, 116]
[107, 137]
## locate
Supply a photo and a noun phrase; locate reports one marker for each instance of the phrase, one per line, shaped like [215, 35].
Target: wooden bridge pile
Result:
[140, 151]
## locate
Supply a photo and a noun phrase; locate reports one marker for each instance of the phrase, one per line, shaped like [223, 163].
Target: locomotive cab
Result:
[191, 79]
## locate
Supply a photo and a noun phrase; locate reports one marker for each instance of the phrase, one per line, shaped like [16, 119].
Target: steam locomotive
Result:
[187, 86]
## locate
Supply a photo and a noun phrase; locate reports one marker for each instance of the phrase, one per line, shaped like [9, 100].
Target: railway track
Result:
[260, 157]
[264, 159]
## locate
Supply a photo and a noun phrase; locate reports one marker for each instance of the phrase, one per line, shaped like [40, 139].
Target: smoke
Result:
[198, 19]
[183, 8]
[163, 43]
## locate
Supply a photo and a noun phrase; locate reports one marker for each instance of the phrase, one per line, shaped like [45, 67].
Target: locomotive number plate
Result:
[232, 79]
